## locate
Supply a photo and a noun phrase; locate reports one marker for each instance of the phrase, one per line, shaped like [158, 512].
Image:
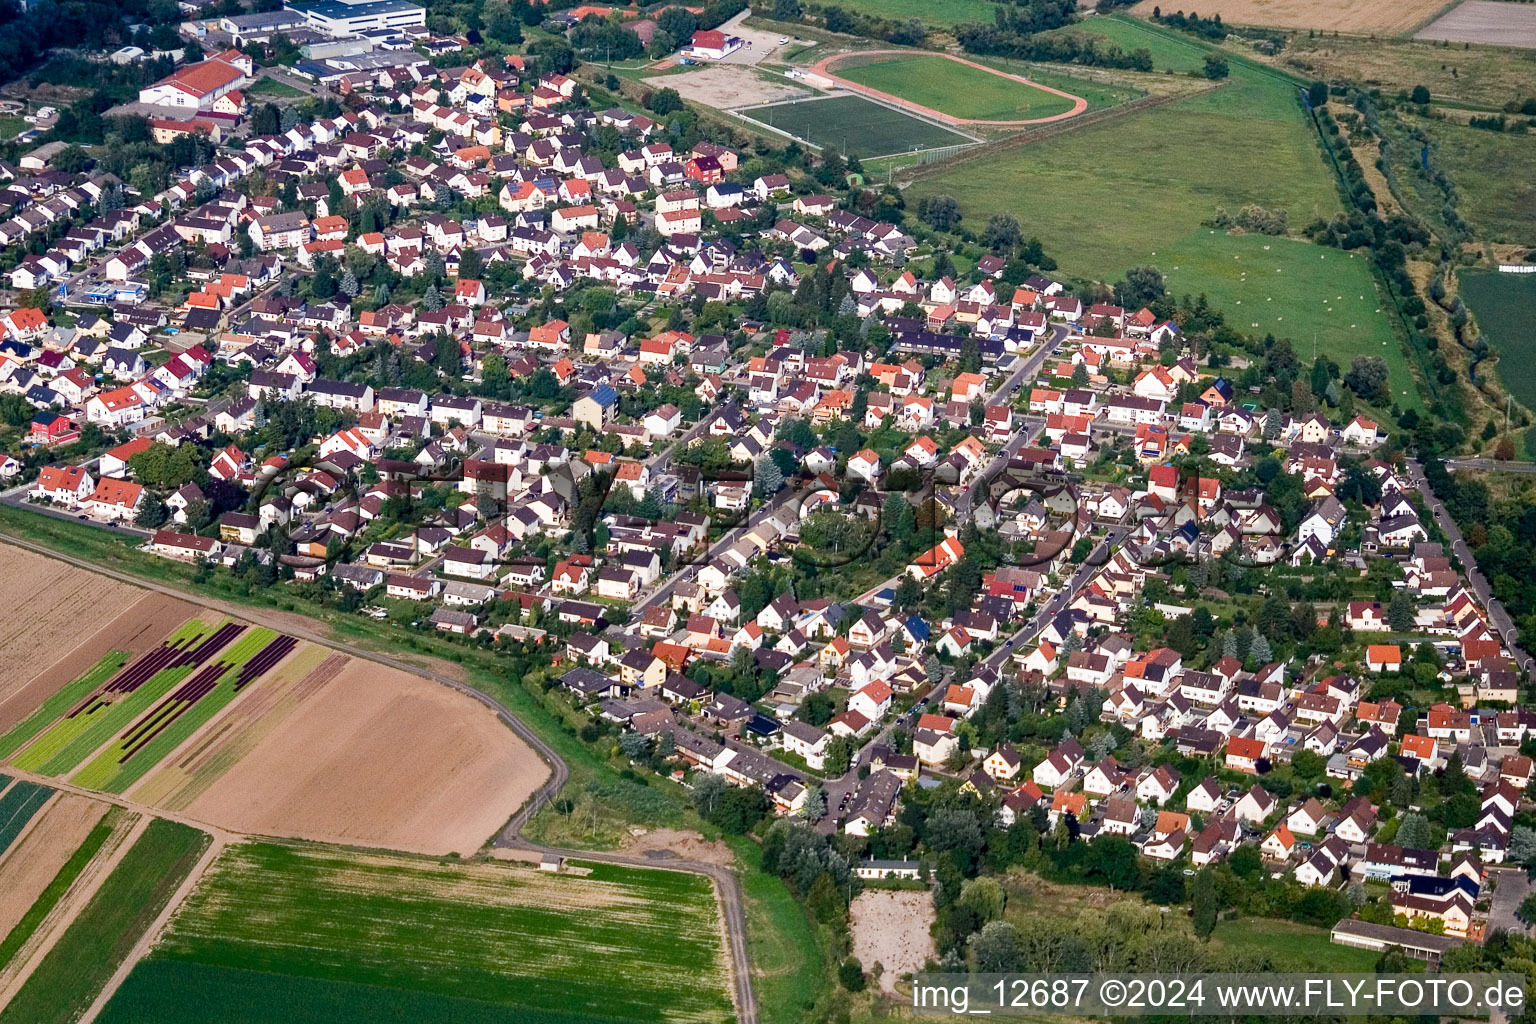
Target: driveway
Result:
[1512, 888]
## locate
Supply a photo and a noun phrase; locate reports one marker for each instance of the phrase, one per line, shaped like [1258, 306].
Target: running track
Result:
[821, 68]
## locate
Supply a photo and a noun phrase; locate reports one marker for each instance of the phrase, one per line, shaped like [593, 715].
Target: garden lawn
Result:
[1505, 307]
[1102, 197]
[272, 87]
[955, 89]
[419, 936]
[1307, 293]
[90, 950]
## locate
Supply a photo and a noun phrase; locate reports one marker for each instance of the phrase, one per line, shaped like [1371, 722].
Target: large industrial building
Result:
[345, 18]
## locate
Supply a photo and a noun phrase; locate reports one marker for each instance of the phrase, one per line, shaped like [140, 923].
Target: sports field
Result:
[1310, 294]
[1103, 197]
[1505, 307]
[346, 937]
[853, 125]
[953, 87]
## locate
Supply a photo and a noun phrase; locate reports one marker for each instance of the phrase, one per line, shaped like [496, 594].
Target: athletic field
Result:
[854, 125]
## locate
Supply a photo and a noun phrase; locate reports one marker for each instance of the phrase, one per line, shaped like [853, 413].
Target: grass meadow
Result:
[342, 936]
[1494, 180]
[955, 89]
[96, 942]
[952, 12]
[1317, 297]
[1291, 946]
[1102, 196]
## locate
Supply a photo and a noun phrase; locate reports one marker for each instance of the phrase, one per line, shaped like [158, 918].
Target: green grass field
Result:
[853, 124]
[348, 937]
[49, 898]
[1102, 197]
[1313, 295]
[955, 89]
[954, 12]
[17, 807]
[1295, 947]
[781, 940]
[1098, 94]
[1170, 51]
[118, 766]
[1505, 307]
[83, 959]
[272, 87]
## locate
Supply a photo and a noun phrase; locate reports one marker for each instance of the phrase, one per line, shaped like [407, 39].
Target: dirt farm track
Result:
[1367, 17]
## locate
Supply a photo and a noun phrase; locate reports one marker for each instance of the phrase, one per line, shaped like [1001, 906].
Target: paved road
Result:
[1494, 464]
[724, 878]
[1502, 624]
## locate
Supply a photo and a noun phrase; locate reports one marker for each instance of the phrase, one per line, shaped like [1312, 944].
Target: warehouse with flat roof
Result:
[342, 18]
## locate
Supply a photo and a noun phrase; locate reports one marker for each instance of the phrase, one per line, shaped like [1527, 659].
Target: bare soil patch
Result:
[728, 86]
[31, 863]
[1365, 16]
[1493, 22]
[140, 627]
[663, 844]
[43, 604]
[381, 758]
[890, 928]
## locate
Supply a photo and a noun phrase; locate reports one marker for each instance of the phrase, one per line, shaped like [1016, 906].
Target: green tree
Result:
[1202, 903]
[1216, 67]
[1420, 95]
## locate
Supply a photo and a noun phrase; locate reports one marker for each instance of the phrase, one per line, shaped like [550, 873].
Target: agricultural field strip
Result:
[62, 700]
[70, 975]
[237, 730]
[84, 730]
[36, 914]
[17, 807]
[623, 942]
[164, 727]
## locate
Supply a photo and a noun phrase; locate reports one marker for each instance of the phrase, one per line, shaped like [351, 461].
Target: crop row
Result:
[180, 714]
[17, 806]
[65, 698]
[101, 714]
